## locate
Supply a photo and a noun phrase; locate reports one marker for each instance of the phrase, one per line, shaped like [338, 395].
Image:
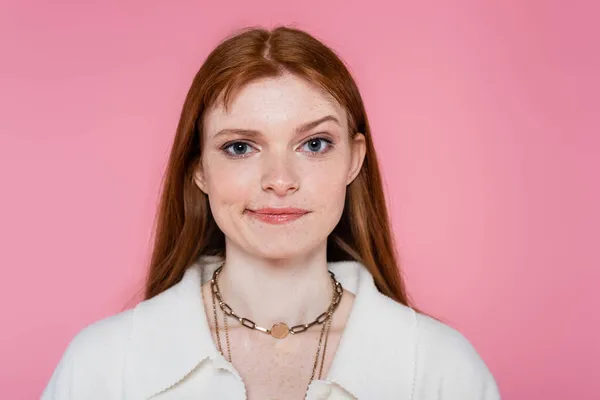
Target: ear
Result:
[358, 148]
[199, 179]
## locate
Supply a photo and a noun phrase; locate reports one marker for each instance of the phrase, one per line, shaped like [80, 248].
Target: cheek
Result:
[228, 185]
[327, 186]
[328, 195]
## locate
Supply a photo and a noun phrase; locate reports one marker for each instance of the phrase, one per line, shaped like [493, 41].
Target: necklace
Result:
[279, 330]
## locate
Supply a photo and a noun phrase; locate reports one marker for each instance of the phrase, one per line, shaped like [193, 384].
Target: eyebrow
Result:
[299, 130]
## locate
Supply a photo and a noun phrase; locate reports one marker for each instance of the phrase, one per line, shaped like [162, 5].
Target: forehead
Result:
[274, 103]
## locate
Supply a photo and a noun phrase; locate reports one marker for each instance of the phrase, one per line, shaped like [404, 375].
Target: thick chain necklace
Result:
[279, 330]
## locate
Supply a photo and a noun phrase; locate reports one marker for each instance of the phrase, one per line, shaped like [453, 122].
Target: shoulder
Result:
[95, 339]
[93, 360]
[448, 364]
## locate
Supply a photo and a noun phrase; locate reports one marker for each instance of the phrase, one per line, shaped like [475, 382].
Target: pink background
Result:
[486, 121]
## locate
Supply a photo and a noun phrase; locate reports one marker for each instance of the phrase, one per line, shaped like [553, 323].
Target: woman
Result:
[273, 273]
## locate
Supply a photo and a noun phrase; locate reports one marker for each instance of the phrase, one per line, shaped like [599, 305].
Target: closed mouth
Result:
[279, 211]
[279, 216]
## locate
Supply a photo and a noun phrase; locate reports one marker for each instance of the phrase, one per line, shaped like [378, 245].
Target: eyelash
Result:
[329, 142]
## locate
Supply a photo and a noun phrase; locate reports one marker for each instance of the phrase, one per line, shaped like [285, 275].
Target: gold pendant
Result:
[280, 330]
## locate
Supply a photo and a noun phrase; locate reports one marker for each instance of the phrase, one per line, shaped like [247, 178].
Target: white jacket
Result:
[163, 349]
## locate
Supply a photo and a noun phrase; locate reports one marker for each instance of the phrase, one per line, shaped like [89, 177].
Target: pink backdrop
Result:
[485, 116]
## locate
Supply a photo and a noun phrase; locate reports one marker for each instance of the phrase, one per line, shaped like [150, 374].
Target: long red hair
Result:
[185, 228]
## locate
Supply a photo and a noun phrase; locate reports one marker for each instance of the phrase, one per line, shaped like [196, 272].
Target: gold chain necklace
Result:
[280, 329]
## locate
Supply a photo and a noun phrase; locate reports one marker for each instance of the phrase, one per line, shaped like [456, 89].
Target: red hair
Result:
[185, 228]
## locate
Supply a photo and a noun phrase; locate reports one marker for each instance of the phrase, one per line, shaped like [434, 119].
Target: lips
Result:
[280, 211]
[277, 216]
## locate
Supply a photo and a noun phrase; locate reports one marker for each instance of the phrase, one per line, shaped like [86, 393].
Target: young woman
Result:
[274, 274]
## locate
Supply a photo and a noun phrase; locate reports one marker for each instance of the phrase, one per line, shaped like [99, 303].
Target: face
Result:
[276, 165]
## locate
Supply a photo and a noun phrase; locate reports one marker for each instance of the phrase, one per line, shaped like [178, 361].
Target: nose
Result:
[279, 175]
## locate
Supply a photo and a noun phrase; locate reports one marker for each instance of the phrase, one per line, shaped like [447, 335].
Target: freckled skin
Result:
[277, 368]
[278, 167]
[280, 170]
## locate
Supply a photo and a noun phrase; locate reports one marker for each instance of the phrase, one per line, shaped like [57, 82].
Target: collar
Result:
[375, 357]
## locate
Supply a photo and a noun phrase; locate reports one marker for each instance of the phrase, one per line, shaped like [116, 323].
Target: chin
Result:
[282, 251]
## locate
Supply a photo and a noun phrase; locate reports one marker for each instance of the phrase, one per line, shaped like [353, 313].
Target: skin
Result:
[278, 272]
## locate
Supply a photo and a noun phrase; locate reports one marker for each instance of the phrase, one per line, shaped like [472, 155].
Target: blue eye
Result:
[317, 145]
[237, 148]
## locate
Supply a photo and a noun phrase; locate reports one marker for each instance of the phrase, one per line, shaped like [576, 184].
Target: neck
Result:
[293, 291]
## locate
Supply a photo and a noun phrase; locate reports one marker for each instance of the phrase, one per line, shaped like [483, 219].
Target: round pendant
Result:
[280, 330]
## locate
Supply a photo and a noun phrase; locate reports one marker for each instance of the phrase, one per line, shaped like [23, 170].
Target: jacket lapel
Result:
[377, 352]
[170, 338]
